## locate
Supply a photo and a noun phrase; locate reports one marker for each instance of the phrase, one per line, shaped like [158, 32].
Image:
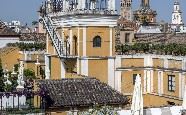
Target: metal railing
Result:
[57, 41]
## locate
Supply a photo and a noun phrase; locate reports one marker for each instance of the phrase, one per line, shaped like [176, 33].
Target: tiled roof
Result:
[6, 31]
[76, 92]
[37, 37]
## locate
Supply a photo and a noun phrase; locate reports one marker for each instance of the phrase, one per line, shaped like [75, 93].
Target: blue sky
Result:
[26, 10]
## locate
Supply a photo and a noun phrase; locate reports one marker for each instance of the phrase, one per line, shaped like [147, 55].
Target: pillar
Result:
[84, 67]
[84, 41]
[63, 69]
[71, 43]
[111, 63]
[47, 70]
[160, 83]
[111, 40]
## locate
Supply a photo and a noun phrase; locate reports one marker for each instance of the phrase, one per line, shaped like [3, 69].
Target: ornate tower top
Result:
[176, 14]
[126, 9]
[145, 3]
[145, 14]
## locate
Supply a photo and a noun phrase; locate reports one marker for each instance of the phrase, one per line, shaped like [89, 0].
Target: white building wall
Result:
[111, 69]
[160, 82]
[117, 74]
[63, 69]
[84, 67]
[47, 70]
[5, 40]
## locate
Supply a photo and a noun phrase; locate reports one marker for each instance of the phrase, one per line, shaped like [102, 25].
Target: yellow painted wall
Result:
[155, 81]
[55, 68]
[151, 100]
[50, 47]
[175, 64]
[157, 101]
[165, 82]
[157, 62]
[127, 80]
[9, 57]
[98, 69]
[136, 62]
[104, 33]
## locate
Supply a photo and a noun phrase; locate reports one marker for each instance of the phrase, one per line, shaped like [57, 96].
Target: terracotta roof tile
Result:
[76, 92]
[6, 31]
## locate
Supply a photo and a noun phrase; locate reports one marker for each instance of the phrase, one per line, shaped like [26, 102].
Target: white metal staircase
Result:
[57, 40]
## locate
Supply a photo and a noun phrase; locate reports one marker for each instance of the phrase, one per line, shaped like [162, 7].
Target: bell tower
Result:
[145, 14]
[177, 23]
[176, 14]
[126, 9]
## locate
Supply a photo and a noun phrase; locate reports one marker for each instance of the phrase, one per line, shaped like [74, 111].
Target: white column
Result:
[63, 70]
[148, 81]
[83, 4]
[145, 82]
[84, 41]
[166, 63]
[160, 83]
[84, 67]
[71, 43]
[111, 72]
[47, 70]
[181, 85]
[25, 53]
[64, 5]
[111, 42]
[118, 80]
[79, 4]
[184, 64]
[78, 66]
[113, 4]
[148, 61]
[109, 4]
[151, 81]
[78, 41]
[148, 76]
[47, 43]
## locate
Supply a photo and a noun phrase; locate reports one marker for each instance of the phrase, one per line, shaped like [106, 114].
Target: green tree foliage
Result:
[2, 85]
[166, 49]
[29, 74]
[28, 46]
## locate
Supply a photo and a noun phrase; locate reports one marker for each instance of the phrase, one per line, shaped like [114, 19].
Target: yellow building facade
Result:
[83, 42]
[86, 39]
[163, 77]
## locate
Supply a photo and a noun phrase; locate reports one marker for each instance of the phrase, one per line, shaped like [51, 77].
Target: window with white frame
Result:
[134, 78]
[171, 83]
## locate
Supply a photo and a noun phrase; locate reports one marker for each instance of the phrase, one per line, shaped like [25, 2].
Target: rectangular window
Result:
[171, 83]
[127, 37]
[134, 78]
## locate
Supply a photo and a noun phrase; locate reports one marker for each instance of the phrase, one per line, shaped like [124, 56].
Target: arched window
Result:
[97, 41]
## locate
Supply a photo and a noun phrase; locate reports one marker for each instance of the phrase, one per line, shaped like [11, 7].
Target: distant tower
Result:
[145, 3]
[126, 9]
[177, 22]
[145, 14]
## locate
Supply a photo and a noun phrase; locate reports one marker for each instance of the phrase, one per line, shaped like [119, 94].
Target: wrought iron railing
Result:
[57, 41]
[22, 102]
